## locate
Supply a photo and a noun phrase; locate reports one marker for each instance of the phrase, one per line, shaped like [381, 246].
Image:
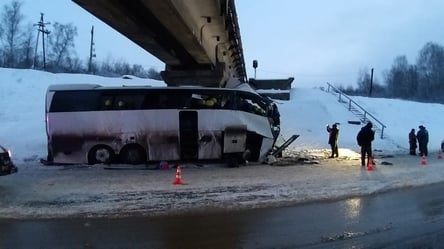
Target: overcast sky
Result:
[313, 41]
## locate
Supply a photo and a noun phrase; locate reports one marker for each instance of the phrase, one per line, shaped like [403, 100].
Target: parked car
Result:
[6, 165]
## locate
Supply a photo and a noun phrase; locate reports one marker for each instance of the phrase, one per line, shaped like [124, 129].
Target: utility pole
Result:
[41, 29]
[35, 49]
[91, 51]
[371, 84]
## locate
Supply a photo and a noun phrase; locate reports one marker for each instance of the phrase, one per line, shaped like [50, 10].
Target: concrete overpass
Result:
[198, 40]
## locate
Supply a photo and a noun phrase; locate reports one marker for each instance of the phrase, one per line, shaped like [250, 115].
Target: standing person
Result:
[333, 139]
[412, 142]
[423, 139]
[364, 138]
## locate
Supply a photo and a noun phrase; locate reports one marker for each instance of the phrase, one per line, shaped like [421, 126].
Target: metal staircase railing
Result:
[356, 109]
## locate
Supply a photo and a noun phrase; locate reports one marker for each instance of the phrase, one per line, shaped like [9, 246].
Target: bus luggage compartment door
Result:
[188, 133]
[235, 138]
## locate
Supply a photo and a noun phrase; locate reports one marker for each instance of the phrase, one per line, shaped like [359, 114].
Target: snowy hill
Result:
[58, 191]
[310, 110]
[22, 97]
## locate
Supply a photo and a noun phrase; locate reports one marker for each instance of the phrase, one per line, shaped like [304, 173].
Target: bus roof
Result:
[71, 87]
[66, 87]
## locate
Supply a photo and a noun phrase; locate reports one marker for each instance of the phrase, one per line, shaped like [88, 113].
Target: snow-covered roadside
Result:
[38, 191]
[43, 191]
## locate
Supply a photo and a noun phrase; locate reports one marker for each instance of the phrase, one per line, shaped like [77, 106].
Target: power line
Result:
[41, 29]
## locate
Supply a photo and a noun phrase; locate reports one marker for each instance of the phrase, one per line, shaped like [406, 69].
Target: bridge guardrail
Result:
[352, 103]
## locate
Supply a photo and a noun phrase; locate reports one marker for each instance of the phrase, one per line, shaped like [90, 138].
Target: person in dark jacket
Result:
[423, 139]
[333, 139]
[412, 142]
[364, 138]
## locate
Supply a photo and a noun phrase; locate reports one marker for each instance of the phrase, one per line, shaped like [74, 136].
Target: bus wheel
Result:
[133, 154]
[100, 154]
[232, 160]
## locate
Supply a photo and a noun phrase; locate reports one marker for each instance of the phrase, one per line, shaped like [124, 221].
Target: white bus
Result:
[87, 123]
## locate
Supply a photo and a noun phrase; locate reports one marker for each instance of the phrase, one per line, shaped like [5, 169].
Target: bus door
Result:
[188, 133]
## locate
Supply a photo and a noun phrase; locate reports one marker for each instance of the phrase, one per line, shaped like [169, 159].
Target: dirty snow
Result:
[305, 173]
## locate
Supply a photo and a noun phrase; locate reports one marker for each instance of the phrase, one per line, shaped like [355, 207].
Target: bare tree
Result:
[61, 44]
[402, 80]
[10, 26]
[122, 67]
[75, 65]
[138, 70]
[363, 81]
[27, 48]
[106, 67]
[430, 66]
[154, 74]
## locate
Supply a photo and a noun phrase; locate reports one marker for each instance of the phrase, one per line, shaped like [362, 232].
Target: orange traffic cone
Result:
[370, 164]
[178, 180]
[423, 160]
[440, 154]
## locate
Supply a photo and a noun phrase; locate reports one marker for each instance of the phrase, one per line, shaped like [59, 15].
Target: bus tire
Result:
[232, 162]
[100, 154]
[132, 154]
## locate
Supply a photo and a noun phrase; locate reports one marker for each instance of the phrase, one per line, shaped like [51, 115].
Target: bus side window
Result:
[209, 101]
[244, 105]
[180, 100]
[195, 101]
[121, 104]
[227, 102]
[107, 104]
[157, 101]
[163, 102]
[150, 101]
[129, 102]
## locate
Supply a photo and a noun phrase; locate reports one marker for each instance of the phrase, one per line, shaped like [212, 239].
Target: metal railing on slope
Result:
[352, 105]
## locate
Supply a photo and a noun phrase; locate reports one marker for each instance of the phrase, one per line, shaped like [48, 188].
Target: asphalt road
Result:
[409, 218]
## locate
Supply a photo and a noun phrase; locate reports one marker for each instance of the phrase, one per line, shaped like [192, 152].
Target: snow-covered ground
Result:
[60, 191]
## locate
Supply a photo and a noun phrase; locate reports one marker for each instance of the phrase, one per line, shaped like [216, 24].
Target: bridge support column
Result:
[201, 77]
